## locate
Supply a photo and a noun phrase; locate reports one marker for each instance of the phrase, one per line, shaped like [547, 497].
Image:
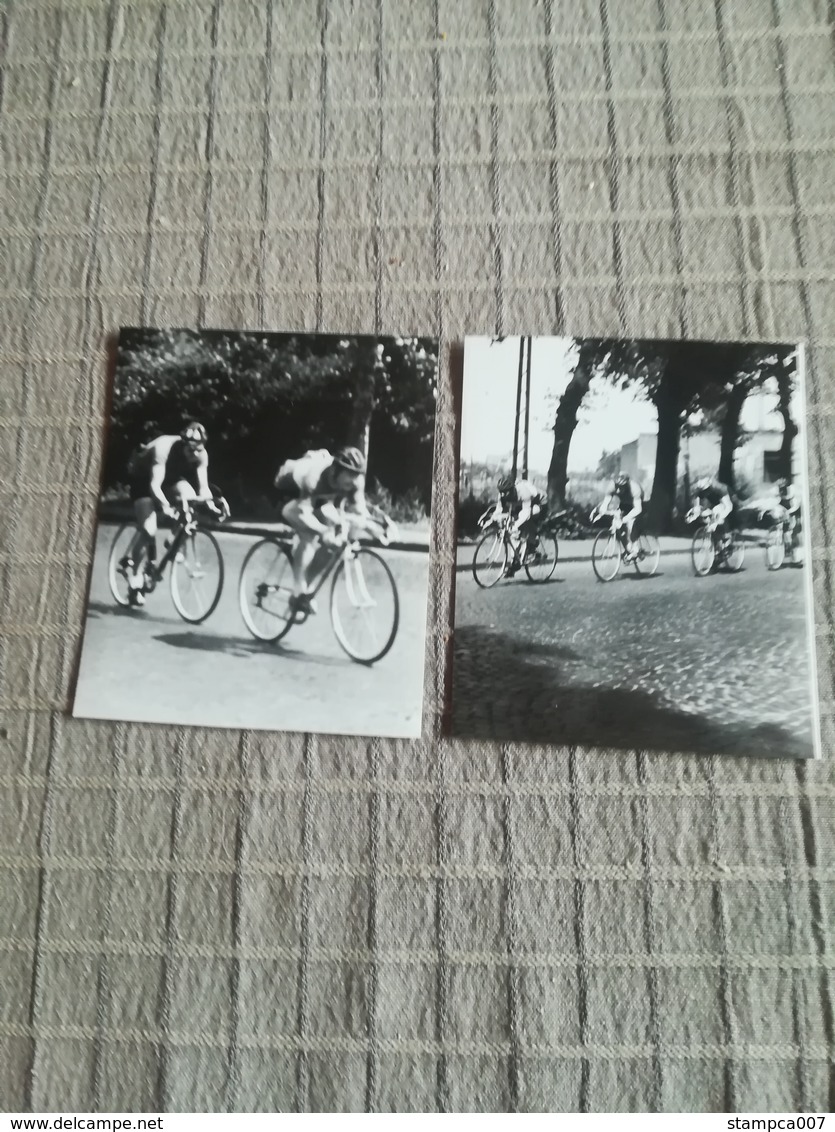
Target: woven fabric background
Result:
[200, 920]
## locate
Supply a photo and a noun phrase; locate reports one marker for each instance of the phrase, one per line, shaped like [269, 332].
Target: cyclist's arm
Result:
[604, 506]
[157, 480]
[204, 493]
[361, 512]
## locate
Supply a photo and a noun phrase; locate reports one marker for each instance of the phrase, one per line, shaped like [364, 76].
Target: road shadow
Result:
[246, 646]
[502, 690]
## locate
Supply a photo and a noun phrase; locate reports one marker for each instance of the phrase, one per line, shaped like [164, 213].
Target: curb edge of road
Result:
[264, 532]
[255, 531]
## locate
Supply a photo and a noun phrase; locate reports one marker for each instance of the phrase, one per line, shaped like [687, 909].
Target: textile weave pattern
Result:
[205, 920]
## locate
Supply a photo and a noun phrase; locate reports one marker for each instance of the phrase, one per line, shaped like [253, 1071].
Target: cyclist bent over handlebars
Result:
[323, 491]
[168, 473]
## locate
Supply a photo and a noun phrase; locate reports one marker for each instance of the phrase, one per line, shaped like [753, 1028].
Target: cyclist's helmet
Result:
[782, 483]
[350, 460]
[702, 484]
[194, 434]
[506, 483]
[621, 479]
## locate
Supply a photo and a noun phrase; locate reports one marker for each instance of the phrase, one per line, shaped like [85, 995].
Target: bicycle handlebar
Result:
[388, 528]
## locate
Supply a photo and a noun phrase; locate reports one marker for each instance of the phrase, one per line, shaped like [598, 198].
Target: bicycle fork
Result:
[358, 593]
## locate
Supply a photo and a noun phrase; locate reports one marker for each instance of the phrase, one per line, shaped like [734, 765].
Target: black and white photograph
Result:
[633, 547]
[261, 551]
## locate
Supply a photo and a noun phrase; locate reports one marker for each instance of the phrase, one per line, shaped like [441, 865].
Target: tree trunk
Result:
[363, 402]
[789, 426]
[730, 434]
[564, 425]
[663, 497]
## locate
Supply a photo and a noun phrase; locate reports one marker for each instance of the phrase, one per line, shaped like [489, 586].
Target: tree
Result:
[674, 375]
[678, 378]
[595, 357]
[785, 371]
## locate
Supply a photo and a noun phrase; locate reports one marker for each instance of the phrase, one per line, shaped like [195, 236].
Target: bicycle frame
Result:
[343, 552]
[155, 571]
[185, 524]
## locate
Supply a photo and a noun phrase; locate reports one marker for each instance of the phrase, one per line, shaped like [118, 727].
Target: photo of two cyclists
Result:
[632, 564]
[262, 550]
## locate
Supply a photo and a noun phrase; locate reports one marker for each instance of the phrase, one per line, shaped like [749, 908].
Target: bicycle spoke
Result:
[265, 590]
[364, 606]
[197, 577]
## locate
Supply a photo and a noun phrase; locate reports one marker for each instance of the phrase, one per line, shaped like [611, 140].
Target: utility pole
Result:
[518, 407]
[527, 408]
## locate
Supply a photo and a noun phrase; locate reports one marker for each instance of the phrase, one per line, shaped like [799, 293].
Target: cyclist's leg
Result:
[629, 522]
[722, 511]
[305, 546]
[145, 539]
[521, 529]
[530, 529]
[182, 494]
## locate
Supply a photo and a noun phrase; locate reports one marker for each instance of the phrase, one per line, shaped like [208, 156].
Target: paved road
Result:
[672, 662]
[150, 665]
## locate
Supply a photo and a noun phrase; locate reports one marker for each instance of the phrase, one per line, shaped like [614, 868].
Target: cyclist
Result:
[316, 486]
[165, 474]
[626, 496]
[526, 505]
[789, 504]
[714, 497]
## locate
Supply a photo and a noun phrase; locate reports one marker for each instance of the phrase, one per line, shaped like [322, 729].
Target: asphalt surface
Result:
[671, 662]
[151, 666]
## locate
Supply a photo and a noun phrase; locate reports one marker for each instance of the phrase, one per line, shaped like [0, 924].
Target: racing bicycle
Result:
[196, 577]
[364, 604]
[609, 551]
[709, 550]
[500, 547]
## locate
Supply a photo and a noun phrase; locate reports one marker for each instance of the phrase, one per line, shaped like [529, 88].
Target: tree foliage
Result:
[679, 378]
[266, 397]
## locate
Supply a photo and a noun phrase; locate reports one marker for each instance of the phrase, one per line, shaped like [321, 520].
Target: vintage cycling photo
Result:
[261, 554]
[633, 547]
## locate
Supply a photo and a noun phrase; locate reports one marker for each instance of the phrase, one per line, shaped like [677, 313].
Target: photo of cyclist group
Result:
[262, 549]
[633, 551]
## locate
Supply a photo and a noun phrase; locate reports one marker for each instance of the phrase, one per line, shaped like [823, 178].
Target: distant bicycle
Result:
[709, 551]
[609, 551]
[364, 603]
[500, 547]
[196, 560]
[781, 542]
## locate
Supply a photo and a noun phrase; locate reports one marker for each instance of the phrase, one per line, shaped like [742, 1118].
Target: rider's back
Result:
[311, 477]
[160, 450]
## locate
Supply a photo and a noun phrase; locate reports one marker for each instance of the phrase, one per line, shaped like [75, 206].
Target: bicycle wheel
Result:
[541, 561]
[117, 578]
[775, 549]
[197, 577]
[735, 554]
[264, 590]
[605, 556]
[702, 552]
[490, 560]
[649, 555]
[365, 608]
